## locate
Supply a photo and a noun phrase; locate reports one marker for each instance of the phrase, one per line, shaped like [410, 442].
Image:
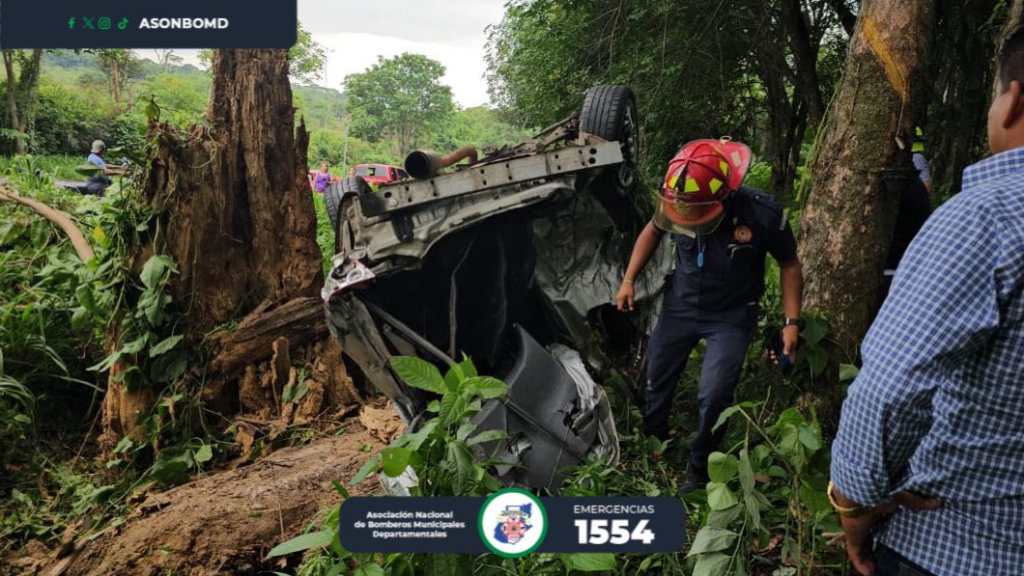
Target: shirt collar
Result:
[1001, 164]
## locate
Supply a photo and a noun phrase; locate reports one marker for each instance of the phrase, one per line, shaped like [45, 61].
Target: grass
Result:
[324, 231]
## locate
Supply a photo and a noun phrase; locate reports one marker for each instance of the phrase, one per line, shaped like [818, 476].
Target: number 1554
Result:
[596, 531]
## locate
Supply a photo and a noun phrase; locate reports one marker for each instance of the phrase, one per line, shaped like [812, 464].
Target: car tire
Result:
[610, 112]
[335, 197]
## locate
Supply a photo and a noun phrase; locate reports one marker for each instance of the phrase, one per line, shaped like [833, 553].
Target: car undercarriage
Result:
[511, 260]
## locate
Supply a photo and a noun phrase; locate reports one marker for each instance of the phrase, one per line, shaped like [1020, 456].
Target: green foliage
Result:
[39, 275]
[41, 509]
[685, 61]
[479, 126]
[439, 451]
[68, 119]
[769, 484]
[400, 97]
[306, 58]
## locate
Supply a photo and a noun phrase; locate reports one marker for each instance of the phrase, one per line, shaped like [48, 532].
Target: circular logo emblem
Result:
[512, 522]
[742, 234]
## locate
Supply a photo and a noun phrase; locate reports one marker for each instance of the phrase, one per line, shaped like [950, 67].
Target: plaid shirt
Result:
[938, 407]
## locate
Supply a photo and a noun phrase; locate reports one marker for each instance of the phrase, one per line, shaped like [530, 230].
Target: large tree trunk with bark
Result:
[862, 159]
[236, 216]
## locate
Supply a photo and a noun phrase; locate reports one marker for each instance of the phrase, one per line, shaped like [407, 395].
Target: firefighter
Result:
[722, 232]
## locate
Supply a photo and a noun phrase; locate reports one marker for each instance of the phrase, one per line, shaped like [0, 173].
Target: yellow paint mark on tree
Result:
[894, 71]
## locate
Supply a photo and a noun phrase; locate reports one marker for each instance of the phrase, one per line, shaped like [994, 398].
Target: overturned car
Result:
[511, 259]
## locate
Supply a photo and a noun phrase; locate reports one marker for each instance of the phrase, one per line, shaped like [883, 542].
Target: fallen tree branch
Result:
[300, 320]
[58, 217]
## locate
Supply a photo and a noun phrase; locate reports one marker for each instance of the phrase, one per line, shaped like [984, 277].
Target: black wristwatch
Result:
[791, 322]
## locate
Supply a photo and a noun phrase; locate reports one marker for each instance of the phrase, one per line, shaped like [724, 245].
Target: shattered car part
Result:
[511, 260]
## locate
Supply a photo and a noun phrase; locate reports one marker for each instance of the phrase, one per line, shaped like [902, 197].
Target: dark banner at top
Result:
[147, 24]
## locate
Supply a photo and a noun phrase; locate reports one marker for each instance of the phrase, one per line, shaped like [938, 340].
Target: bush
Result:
[66, 121]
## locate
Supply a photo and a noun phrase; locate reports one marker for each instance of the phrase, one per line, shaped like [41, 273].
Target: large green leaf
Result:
[453, 378]
[723, 518]
[468, 369]
[753, 507]
[394, 460]
[86, 299]
[814, 331]
[716, 564]
[746, 472]
[419, 373]
[465, 429]
[204, 454]
[848, 372]
[486, 387]
[487, 436]
[369, 467]
[711, 540]
[817, 358]
[417, 438]
[720, 497]
[462, 461]
[165, 345]
[302, 543]
[810, 437]
[731, 410]
[722, 467]
[135, 346]
[590, 562]
[156, 270]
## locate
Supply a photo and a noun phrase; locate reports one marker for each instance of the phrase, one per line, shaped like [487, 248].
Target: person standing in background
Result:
[321, 179]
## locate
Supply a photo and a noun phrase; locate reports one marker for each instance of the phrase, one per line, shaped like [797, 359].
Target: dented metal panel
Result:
[481, 177]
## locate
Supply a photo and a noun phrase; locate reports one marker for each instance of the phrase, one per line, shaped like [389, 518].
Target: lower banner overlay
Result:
[512, 523]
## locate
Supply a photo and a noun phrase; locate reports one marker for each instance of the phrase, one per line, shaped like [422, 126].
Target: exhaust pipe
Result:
[424, 164]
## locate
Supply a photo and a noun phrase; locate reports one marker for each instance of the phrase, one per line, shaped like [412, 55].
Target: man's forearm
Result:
[646, 242]
[791, 280]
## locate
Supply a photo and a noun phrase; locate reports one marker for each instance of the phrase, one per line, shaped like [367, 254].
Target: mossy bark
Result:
[848, 220]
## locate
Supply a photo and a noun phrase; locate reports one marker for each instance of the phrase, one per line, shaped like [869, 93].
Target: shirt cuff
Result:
[857, 484]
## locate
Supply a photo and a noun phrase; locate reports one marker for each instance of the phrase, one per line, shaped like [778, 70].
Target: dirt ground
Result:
[226, 522]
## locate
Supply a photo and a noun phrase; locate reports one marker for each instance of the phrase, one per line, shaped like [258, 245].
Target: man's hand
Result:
[790, 339]
[858, 530]
[624, 298]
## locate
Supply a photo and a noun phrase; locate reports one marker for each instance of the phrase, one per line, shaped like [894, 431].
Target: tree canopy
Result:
[400, 97]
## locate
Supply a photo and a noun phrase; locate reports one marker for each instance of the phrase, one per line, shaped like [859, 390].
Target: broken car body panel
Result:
[478, 262]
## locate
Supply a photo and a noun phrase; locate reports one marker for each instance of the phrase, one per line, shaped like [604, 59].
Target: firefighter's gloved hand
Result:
[624, 298]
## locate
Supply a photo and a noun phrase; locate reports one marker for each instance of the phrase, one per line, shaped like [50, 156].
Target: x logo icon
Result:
[88, 23]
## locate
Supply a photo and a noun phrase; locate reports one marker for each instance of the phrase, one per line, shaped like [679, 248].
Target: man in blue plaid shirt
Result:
[928, 464]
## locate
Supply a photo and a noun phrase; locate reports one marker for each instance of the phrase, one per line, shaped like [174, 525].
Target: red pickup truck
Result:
[377, 174]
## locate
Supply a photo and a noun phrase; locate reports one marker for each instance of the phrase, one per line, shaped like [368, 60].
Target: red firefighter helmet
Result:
[700, 176]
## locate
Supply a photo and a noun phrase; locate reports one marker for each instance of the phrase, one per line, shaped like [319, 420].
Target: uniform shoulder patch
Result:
[765, 210]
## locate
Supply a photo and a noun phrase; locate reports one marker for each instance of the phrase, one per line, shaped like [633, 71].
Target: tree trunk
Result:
[28, 88]
[12, 101]
[847, 19]
[848, 221]
[787, 117]
[236, 214]
[805, 56]
[115, 83]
